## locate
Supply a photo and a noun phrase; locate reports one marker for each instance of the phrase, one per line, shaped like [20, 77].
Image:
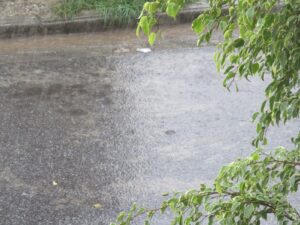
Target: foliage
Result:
[267, 45]
[111, 11]
[245, 192]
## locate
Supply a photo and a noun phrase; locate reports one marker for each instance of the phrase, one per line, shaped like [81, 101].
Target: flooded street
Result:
[85, 120]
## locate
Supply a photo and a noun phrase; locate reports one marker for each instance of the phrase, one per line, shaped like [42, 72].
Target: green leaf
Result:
[254, 68]
[228, 69]
[121, 216]
[270, 60]
[152, 38]
[217, 12]
[188, 221]
[238, 42]
[172, 9]
[248, 210]
[229, 76]
[223, 25]
[263, 105]
[228, 34]
[198, 25]
[266, 35]
[269, 20]
[133, 207]
[144, 25]
[231, 11]
[150, 214]
[255, 156]
[250, 16]
[151, 7]
[218, 187]
[254, 116]
[141, 210]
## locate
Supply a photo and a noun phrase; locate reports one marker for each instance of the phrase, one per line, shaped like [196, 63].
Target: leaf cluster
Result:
[245, 192]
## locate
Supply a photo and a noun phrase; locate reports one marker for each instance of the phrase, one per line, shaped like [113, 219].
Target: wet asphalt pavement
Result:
[86, 120]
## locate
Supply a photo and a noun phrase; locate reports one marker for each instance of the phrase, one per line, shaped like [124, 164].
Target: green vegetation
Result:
[247, 191]
[112, 11]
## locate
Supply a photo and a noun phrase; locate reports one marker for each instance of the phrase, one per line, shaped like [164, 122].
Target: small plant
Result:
[248, 190]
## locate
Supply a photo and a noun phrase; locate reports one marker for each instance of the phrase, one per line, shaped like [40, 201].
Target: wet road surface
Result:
[86, 120]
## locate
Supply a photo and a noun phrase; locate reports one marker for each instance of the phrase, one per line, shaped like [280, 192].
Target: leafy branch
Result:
[241, 193]
[266, 45]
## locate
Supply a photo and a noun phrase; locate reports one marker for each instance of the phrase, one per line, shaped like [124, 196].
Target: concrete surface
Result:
[86, 120]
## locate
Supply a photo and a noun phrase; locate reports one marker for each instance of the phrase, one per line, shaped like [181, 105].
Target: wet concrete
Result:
[83, 124]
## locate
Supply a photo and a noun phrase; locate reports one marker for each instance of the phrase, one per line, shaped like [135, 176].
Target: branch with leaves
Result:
[245, 192]
[267, 44]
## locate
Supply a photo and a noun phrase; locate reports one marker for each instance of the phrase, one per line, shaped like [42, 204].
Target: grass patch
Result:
[112, 11]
